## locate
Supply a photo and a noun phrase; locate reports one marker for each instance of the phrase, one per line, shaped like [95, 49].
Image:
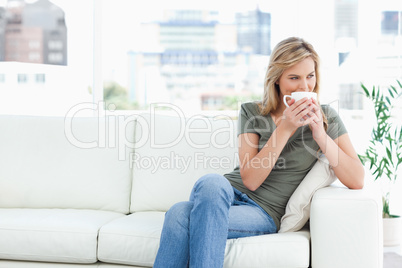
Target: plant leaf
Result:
[390, 92]
[365, 90]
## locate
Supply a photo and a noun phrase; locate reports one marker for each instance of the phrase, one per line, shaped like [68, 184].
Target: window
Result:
[47, 55]
[182, 53]
[349, 97]
[391, 22]
[22, 78]
[34, 57]
[34, 44]
[55, 45]
[40, 78]
[55, 57]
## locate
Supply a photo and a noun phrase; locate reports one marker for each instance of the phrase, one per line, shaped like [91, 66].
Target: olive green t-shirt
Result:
[295, 161]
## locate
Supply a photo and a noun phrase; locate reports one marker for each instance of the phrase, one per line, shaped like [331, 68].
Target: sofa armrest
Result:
[346, 228]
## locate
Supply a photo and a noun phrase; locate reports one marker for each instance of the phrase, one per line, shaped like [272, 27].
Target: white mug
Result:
[299, 95]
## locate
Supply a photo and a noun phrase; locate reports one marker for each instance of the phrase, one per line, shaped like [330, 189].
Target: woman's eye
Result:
[310, 76]
[293, 78]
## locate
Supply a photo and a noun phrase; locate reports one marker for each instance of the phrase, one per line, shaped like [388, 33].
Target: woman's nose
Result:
[303, 85]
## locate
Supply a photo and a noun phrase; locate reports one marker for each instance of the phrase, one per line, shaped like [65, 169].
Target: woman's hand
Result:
[317, 126]
[298, 114]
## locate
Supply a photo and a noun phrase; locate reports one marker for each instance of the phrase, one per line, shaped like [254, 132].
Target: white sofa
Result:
[92, 192]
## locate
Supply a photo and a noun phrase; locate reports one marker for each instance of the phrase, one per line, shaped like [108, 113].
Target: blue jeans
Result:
[194, 232]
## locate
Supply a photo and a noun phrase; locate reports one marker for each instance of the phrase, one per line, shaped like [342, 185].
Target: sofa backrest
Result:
[57, 162]
[172, 152]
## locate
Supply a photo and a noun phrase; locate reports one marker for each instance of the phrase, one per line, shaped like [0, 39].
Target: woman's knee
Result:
[212, 186]
[178, 215]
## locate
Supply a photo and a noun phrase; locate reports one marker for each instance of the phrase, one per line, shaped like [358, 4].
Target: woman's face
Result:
[299, 77]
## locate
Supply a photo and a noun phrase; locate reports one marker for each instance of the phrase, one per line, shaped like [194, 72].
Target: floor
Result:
[393, 257]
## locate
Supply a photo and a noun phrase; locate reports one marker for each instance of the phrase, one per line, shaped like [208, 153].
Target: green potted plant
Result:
[384, 153]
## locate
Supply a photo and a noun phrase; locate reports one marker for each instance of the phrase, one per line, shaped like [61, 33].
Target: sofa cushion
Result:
[131, 240]
[54, 235]
[171, 153]
[273, 250]
[298, 207]
[134, 240]
[45, 161]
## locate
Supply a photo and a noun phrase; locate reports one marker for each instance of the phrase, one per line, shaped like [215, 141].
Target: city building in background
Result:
[35, 75]
[346, 21]
[346, 17]
[36, 89]
[33, 32]
[254, 31]
[390, 60]
[193, 60]
[2, 31]
[391, 23]
[385, 62]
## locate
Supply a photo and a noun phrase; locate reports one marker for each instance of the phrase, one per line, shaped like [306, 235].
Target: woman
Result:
[278, 146]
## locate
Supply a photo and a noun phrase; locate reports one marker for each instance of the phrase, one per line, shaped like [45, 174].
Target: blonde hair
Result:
[286, 54]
